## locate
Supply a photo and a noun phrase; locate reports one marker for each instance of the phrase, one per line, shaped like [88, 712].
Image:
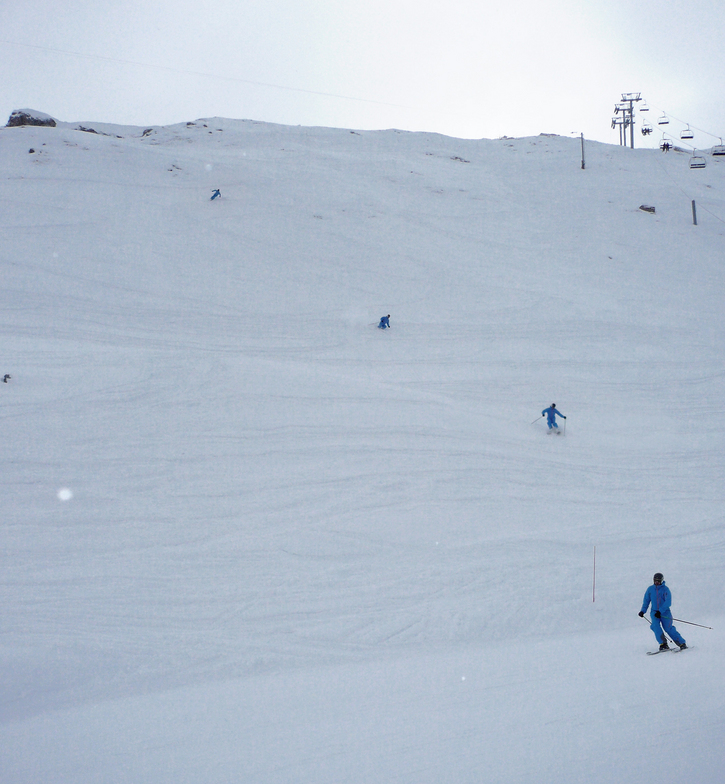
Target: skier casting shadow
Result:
[551, 414]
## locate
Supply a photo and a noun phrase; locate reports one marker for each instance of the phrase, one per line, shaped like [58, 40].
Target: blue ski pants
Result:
[665, 622]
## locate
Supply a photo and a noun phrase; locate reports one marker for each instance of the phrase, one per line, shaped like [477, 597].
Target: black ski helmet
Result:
[658, 576]
[553, 405]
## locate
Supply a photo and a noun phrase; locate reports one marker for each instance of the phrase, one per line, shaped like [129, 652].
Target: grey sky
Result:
[463, 68]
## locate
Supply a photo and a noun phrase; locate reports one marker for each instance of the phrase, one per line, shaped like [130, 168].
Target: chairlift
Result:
[646, 129]
[644, 107]
[719, 149]
[697, 162]
[686, 134]
[664, 120]
[665, 146]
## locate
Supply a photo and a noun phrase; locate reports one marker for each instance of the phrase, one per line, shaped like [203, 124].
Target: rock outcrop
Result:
[30, 117]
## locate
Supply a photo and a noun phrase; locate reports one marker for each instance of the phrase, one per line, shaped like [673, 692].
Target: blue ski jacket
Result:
[659, 597]
[551, 414]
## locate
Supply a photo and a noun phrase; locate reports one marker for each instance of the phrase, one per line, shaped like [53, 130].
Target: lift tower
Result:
[626, 107]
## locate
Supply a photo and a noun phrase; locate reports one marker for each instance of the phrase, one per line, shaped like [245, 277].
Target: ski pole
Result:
[667, 639]
[537, 419]
[679, 620]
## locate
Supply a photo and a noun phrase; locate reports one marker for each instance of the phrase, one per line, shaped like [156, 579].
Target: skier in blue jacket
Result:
[551, 414]
[659, 596]
[384, 322]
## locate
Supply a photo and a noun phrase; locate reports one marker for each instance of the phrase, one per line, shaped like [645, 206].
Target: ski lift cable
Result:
[678, 141]
[709, 212]
[684, 122]
[204, 74]
[700, 205]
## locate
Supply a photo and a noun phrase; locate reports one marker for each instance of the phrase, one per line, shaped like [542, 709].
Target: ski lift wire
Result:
[684, 122]
[204, 74]
[683, 191]
[679, 141]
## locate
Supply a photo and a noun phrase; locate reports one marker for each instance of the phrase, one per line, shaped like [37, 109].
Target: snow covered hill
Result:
[249, 537]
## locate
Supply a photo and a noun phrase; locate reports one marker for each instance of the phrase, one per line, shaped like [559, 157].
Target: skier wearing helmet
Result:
[551, 413]
[659, 596]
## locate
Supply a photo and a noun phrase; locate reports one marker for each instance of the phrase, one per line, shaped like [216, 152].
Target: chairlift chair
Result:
[644, 107]
[646, 129]
[697, 162]
[664, 120]
[719, 149]
[686, 134]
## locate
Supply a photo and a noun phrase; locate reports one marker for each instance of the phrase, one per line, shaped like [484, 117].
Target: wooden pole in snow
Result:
[594, 577]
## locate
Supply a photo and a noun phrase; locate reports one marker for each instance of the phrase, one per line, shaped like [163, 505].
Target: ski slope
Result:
[249, 537]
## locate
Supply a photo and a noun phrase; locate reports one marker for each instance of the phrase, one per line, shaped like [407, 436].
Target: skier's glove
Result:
[641, 615]
[564, 417]
[657, 614]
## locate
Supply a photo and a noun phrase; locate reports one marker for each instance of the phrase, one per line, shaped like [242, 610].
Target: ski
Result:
[654, 653]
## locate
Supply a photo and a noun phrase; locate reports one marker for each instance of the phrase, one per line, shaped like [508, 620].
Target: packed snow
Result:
[249, 537]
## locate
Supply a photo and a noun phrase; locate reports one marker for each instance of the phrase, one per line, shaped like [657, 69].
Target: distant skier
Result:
[384, 322]
[659, 596]
[216, 193]
[551, 414]
[7, 377]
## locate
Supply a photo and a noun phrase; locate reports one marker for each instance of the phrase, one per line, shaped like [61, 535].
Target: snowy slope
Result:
[301, 549]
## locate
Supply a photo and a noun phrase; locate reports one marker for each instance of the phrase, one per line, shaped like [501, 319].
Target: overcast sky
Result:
[460, 67]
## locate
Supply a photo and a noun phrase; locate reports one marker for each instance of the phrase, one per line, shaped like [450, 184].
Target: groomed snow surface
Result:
[248, 537]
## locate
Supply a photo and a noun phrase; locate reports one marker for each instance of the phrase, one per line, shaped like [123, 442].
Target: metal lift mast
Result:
[626, 107]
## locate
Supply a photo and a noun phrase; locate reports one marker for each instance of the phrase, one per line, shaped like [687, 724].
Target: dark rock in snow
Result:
[29, 117]
[647, 208]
